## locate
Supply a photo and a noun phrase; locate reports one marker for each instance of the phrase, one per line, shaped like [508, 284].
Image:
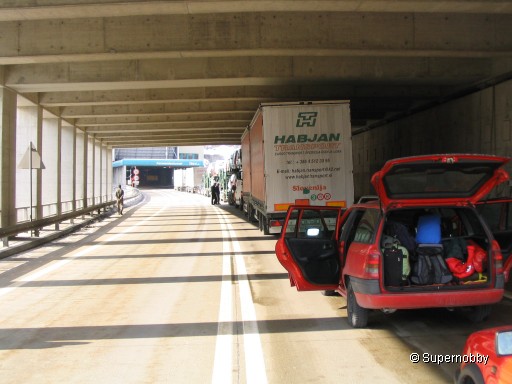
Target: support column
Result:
[8, 102]
[59, 170]
[73, 164]
[39, 172]
[93, 168]
[84, 165]
[102, 182]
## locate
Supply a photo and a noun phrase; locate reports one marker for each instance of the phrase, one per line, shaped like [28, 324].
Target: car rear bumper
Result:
[369, 295]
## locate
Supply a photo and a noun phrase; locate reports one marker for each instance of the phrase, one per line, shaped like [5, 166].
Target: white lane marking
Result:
[254, 362]
[222, 366]
[253, 351]
[58, 264]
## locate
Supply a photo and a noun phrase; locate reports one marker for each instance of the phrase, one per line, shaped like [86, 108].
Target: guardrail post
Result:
[5, 241]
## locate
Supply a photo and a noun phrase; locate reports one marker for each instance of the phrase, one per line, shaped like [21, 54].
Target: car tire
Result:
[479, 313]
[357, 316]
[470, 374]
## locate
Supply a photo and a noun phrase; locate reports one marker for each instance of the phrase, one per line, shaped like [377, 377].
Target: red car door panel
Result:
[308, 247]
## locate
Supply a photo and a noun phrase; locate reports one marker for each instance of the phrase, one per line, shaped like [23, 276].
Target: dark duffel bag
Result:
[430, 267]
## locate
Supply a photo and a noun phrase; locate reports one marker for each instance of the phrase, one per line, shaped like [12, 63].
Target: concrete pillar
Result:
[93, 170]
[74, 171]
[51, 175]
[101, 176]
[84, 167]
[39, 172]
[50, 152]
[108, 175]
[59, 166]
[8, 101]
[28, 130]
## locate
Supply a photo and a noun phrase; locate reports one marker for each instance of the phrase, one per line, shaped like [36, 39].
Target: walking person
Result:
[120, 199]
[215, 195]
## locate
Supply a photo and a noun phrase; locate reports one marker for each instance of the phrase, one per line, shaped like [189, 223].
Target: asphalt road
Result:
[179, 291]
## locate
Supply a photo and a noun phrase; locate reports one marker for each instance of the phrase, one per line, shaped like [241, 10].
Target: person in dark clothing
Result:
[215, 194]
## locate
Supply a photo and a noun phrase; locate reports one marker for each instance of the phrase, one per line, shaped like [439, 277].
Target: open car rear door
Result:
[498, 215]
[308, 247]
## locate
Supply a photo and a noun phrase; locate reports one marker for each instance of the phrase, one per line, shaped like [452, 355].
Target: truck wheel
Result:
[264, 221]
[357, 315]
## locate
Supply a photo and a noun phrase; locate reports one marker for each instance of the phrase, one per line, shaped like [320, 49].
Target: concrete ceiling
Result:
[164, 73]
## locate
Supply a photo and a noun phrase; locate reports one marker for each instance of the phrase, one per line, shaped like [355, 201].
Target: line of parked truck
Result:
[292, 153]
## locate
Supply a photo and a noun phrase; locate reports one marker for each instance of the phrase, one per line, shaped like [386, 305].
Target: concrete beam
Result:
[157, 109]
[261, 71]
[127, 129]
[33, 10]
[174, 142]
[198, 118]
[242, 93]
[257, 34]
[158, 136]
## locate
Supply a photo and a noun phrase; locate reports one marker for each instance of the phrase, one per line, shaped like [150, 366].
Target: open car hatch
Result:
[451, 179]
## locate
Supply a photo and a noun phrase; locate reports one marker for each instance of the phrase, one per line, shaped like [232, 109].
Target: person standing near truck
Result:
[215, 194]
[120, 199]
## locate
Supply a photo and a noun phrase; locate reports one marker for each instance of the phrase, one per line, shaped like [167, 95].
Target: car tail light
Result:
[497, 257]
[372, 263]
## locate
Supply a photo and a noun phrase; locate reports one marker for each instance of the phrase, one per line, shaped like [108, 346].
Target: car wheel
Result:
[470, 374]
[357, 315]
[479, 313]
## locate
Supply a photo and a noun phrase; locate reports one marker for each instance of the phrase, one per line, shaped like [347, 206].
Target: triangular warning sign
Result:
[36, 159]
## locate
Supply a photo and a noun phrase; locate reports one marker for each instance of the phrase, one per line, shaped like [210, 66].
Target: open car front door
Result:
[308, 247]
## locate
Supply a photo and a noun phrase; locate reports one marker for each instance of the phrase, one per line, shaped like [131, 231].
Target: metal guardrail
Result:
[36, 225]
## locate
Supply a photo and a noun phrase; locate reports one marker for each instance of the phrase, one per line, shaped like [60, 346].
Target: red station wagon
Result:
[329, 249]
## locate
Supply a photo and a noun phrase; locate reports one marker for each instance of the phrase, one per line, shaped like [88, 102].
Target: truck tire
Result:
[357, 316]
[264, 221]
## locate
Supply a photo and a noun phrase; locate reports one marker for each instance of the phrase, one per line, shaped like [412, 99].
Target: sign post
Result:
[31, 160]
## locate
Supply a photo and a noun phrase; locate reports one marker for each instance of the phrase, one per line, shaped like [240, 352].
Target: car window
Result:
[497, 215]
[367, 226]
[312, 223]
[504, 343]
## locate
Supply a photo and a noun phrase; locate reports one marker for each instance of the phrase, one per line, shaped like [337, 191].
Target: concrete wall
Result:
[476, 123]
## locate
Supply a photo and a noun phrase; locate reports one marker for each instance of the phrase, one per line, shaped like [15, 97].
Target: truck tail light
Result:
[372, 264]
[276, 223]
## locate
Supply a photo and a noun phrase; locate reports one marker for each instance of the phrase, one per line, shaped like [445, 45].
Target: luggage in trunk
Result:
[396, 265]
